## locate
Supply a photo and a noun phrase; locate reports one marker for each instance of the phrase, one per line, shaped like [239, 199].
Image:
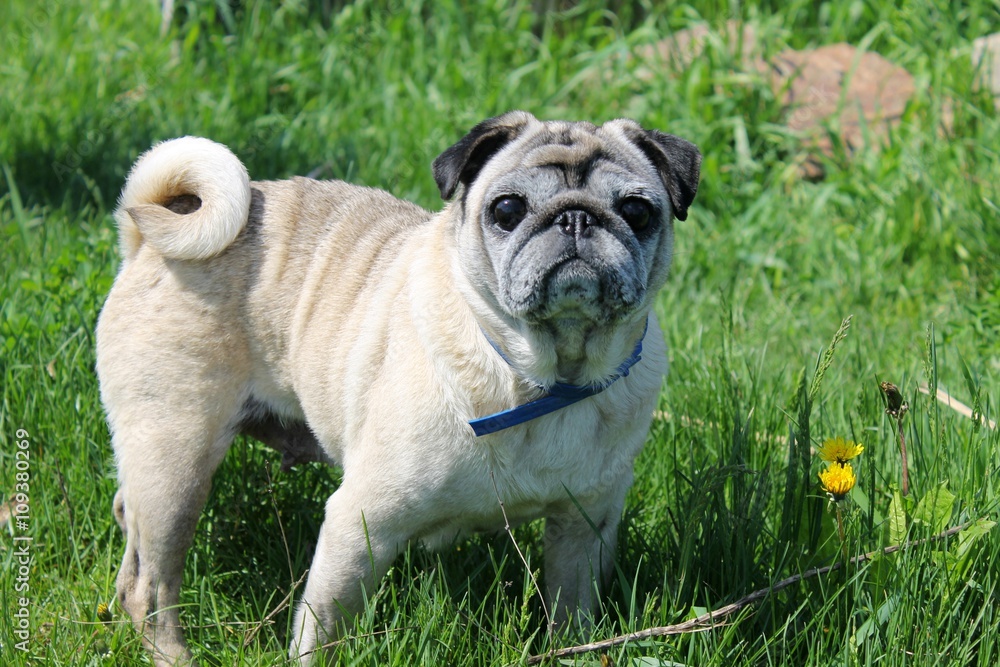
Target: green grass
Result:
[906, 240]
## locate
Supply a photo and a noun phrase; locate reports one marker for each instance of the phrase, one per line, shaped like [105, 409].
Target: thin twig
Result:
[506, 526]
[288, 559]
[274, 612]
[711, 619]
[350, 638]
[281, 526]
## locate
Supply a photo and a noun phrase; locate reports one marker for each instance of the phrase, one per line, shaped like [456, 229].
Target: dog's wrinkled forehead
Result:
[570, 150]
[575, 150]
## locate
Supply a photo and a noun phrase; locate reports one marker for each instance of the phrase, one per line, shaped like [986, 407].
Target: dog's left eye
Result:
[508, 212]
[637, 213]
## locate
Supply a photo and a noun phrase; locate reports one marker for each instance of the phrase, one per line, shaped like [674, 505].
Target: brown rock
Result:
[815, 85]
[851, 91]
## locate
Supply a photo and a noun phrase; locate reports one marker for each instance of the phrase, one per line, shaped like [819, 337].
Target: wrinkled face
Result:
[576, 223]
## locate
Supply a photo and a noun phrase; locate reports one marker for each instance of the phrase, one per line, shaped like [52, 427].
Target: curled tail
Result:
[189, 198]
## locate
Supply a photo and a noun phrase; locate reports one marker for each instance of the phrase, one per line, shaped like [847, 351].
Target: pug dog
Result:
[490, 364]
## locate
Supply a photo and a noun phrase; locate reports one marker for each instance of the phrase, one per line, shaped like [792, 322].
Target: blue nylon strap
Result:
[559, 395]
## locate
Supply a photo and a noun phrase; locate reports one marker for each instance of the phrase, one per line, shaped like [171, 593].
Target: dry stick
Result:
[709, 620]
[958, 406]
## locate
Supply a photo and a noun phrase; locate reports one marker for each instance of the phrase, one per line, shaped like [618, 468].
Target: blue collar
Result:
[558, 396]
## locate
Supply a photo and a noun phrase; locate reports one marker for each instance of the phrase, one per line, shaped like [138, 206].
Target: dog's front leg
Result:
[580, 545]
[357, 543]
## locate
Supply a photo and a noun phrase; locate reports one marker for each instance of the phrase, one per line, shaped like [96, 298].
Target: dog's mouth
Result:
[573, 285]
[578, 290]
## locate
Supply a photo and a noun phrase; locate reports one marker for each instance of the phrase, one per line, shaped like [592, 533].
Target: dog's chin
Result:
[575, 297]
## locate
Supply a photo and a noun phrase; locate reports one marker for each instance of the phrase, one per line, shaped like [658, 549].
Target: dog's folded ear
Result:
[679, 164]
[461, 163]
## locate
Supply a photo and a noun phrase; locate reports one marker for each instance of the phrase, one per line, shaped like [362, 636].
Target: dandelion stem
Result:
[840, 531]
[902, 454]
[897, 408]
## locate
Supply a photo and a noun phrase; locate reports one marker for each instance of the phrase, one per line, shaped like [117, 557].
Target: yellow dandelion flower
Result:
[837, 480]
[838, 450]
[103, 613]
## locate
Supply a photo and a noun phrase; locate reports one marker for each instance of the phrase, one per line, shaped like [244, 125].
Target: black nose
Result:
[575, 223]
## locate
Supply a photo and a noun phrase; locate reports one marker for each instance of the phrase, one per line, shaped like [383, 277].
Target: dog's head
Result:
[568, 224]
[565, 234]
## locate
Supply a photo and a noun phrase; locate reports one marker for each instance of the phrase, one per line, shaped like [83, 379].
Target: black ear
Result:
[462, 162]
[679, 164]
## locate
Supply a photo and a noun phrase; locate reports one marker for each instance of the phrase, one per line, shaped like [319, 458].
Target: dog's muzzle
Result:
[575, 263]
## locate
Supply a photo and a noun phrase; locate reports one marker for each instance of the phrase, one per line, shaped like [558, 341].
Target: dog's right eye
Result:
[508, 212]
[637, 213]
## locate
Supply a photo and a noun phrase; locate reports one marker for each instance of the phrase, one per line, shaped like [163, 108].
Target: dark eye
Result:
[637, 213]
[508, 212]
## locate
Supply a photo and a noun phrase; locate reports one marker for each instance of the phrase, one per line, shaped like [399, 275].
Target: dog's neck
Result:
[567, 352]
[588, 354]
[573, 361]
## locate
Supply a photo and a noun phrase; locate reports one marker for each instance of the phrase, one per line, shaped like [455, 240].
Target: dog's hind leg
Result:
[165, 474]
[173, 412]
